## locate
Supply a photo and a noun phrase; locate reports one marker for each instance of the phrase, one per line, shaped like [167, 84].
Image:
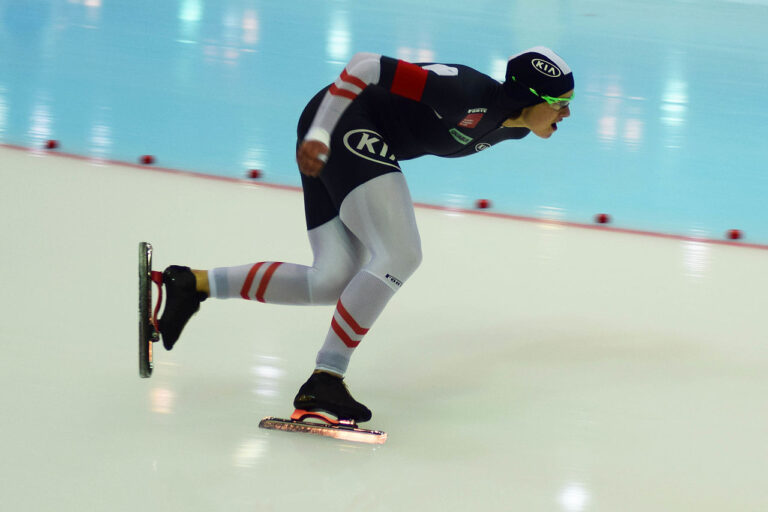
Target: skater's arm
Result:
[362, 70]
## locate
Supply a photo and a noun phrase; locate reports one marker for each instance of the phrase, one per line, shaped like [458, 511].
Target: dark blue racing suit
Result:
[421, 109]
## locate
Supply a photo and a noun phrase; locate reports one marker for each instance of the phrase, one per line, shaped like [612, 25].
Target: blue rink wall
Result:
[666, 134]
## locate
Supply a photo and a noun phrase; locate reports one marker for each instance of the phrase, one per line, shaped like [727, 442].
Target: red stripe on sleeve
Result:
[265, 281]
[249, 280]
[342, 335]
[409, 80]
[351, 321]
[342, 92]
[352, 79]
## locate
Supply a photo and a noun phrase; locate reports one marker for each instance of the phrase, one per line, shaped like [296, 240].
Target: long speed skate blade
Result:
[147, 333]
[337, 431]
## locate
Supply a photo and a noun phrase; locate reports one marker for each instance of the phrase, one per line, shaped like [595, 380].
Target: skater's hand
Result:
[311, 157]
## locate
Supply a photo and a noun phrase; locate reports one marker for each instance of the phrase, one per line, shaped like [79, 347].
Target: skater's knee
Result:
[408, 260]
[395, 267]
[325, 286]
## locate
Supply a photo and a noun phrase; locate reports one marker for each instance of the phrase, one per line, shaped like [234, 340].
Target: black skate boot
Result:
[326, 392]
[183, 300]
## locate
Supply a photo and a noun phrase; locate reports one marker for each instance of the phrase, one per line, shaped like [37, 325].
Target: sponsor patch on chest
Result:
[473, 117]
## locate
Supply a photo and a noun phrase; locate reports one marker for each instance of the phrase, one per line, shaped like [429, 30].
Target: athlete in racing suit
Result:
[360, 219]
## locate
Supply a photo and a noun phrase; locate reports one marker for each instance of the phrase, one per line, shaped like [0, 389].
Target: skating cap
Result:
[537, 68]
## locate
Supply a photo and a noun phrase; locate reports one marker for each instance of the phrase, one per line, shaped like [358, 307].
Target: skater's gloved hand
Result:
[311, 157]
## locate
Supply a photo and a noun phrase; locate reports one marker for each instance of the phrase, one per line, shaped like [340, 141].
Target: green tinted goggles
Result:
[555, 103]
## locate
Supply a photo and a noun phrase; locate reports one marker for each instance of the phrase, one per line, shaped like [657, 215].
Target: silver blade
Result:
[345, 432]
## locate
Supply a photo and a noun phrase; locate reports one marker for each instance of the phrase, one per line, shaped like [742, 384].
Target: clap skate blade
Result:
[327, 426]
[148, 330]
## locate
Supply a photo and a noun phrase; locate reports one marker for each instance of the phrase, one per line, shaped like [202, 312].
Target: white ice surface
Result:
[524, 367]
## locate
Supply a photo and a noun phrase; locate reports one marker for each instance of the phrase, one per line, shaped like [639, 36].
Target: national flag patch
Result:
[471, 120]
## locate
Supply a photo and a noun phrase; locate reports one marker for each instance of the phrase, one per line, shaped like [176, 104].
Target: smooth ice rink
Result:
[535, 362]
[526, 366]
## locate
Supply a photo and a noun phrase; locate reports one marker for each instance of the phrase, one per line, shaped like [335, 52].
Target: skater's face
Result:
[543, 117]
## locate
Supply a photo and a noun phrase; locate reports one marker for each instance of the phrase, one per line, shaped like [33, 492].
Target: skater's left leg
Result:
[380, 214]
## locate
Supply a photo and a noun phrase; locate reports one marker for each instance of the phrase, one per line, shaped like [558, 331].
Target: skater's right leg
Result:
[380, 214]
